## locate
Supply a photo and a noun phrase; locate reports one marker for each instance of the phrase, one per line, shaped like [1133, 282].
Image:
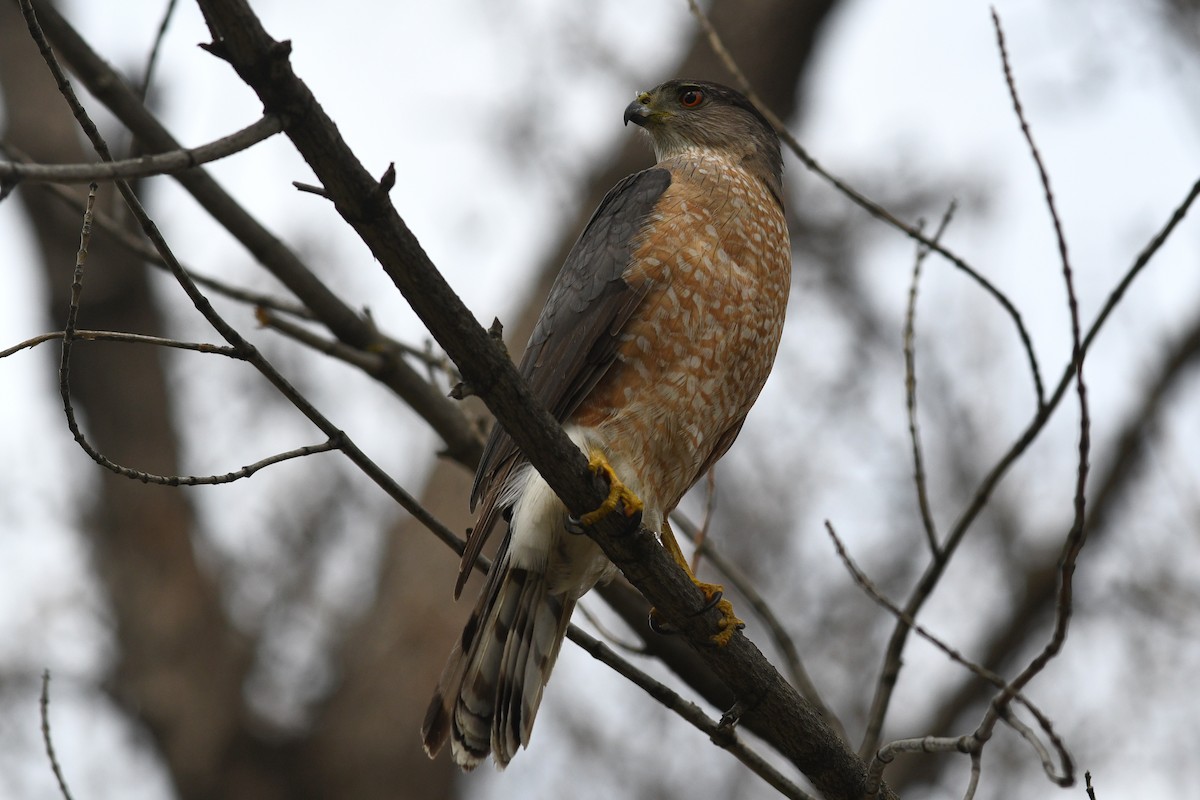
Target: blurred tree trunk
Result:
[178, 661]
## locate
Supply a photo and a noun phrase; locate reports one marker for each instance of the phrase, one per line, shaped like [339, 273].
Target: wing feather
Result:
[576, 338]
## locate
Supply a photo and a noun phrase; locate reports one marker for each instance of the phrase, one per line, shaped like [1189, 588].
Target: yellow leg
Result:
[729, 623]
[630, 504]
[618, 493]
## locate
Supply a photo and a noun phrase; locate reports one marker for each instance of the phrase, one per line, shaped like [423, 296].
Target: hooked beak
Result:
[638, 112]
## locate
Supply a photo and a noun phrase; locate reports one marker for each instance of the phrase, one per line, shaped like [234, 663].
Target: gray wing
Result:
[576, 338]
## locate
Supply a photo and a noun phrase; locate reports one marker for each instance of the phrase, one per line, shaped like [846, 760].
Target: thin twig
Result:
[868, 586]
[868, 205]
[976, 772]
[64, 368]
[724, 736]
[119, 336]
[1077, 534]
[160, 164]
[1075, 537]
[611, 635]
[434, 362]
[1027, 733]
[1126, 452]
[156, 48]
[46, 738]
[924, 744]
[311, 189]
[1139, 263]
[381, 361]
[910, 387]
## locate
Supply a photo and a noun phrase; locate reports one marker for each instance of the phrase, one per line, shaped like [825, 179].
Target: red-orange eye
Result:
[691, 98]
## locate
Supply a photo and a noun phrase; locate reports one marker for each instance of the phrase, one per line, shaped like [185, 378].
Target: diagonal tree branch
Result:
[766, 704]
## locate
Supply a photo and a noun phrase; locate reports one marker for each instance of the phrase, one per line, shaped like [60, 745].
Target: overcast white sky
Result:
[910, 88]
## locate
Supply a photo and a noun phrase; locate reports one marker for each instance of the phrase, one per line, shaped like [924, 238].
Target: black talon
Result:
[574, 526]
[660, 627]
[711, 604]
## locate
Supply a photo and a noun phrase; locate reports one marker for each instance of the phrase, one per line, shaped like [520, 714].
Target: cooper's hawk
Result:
[655, 341]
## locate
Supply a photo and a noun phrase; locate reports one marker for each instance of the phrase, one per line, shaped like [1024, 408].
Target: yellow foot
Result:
[618, 493]
[728, 625]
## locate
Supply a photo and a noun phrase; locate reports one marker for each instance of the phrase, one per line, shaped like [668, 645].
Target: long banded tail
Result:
[491, 688]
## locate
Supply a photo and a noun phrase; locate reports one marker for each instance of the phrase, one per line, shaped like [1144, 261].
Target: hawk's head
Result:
[680, 115]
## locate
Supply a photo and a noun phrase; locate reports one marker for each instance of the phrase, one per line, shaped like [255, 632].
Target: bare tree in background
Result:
[182, 670]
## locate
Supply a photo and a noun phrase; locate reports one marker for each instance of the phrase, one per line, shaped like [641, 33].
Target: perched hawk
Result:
[655, 341]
